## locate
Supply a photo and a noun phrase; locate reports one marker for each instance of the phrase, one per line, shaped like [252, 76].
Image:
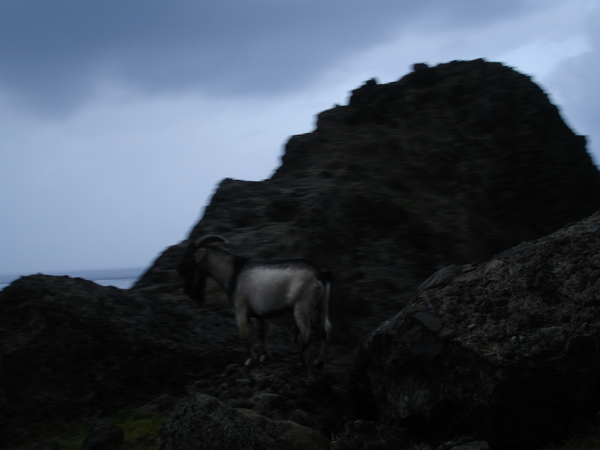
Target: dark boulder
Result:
[508, 350]
[282, 391]
[289, 434]
[69, 347]
[208, 423]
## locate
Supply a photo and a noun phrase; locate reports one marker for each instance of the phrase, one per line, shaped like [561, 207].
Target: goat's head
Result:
[200, 249]
[190, 269]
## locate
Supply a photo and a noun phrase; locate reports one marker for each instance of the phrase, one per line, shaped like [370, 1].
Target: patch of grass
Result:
[141, 431]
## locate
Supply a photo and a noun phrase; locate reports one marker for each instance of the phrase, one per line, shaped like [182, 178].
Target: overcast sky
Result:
[119, 117]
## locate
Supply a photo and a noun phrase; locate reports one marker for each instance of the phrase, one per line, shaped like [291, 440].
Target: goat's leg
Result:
[322, 337]
[304, 353]
[263, 331]
[303, 335]
[321, 358]
[245, 327]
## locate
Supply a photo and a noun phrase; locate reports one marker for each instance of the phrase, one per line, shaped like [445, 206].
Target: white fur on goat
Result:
[293, 291]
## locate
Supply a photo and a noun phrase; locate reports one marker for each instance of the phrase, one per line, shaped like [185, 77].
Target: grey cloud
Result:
[51, 53]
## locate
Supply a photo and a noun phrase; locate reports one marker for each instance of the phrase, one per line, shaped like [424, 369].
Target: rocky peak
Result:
[448, 165]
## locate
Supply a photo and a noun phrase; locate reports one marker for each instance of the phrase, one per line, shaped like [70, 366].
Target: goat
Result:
[268, 291]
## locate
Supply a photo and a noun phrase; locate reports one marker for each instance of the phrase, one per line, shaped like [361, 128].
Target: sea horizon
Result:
[122, 278]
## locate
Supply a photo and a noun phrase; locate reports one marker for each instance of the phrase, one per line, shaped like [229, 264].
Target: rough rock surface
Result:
[282, 391]
[289, 434]
[509, 350]
[206, 422]
[70, 347]
[449, 165]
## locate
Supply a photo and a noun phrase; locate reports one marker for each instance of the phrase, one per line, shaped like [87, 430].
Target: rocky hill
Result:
[446, 167]
[449, 165]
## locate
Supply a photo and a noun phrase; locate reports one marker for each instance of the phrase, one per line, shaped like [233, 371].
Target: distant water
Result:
[121, 278]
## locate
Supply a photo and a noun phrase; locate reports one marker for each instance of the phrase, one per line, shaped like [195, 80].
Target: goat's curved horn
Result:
[210, 238]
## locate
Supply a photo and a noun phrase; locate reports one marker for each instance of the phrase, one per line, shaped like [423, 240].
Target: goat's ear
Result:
[200, 254]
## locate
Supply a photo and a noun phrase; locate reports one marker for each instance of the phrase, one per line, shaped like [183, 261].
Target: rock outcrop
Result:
[449, 165]
[508, 350]
[69, 347]
[206, 422]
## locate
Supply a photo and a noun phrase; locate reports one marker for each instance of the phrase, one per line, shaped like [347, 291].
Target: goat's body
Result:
[291, 291]
[272, 288]
[285, 293]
